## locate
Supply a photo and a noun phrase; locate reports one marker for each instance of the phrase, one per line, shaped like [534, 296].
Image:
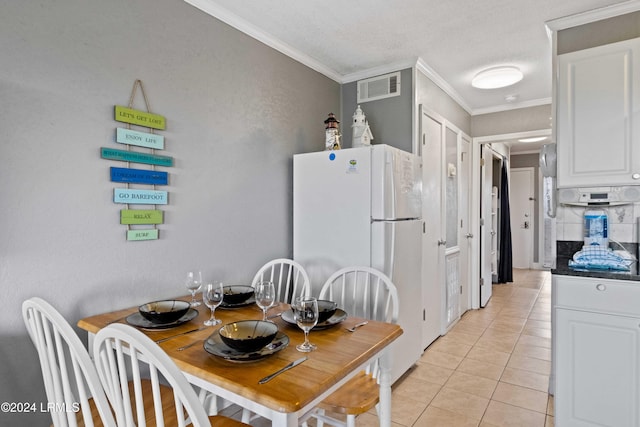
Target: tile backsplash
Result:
[623, 222]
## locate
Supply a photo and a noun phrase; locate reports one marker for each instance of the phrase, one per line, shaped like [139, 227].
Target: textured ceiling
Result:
[348, 40]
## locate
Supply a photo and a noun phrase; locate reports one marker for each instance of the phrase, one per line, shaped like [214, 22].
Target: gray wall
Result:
[390, 119]
[512, 121]
[598, 33]
[435, 99]
[236, 113]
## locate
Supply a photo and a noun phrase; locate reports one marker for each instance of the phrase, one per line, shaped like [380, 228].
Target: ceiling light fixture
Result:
[533, 139]
[497, 77]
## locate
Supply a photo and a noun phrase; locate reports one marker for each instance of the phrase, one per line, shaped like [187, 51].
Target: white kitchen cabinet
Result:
[597, 122]
[596, 353]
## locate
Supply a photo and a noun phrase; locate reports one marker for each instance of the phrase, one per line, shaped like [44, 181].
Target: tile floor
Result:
[491, 369]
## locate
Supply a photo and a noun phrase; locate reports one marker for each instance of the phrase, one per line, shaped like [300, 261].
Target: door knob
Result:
[468, 235]
[442, 242]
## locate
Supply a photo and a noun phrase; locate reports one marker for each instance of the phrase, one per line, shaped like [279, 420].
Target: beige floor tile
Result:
[431, 373]
[535, 341]
[521, 397]
[473, 384]
[448, 345]
[538, 324]
[540, 315]
[489, 355]
[438, 358]
[532, 351]
[504, 415]
[530, 364]
[436, 417]
[460, 402]
[504, 344]
[411, 387]
[463, 337]
[528, 379]
[544, 333]
[550, 406]
[406, 411]
[469, 328]
[481, 369]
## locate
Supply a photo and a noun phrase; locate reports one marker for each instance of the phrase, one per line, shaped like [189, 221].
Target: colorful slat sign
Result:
[139, 139]
[139, 216]
[140, 197]
[135, 157]
[140, 118]
[139, 176]
[136, 235]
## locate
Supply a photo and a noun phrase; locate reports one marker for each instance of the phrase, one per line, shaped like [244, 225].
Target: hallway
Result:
[491, 369]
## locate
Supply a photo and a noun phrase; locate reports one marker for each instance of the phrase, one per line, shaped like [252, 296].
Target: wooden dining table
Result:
[288, 397]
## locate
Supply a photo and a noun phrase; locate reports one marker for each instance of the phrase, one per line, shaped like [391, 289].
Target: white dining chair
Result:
[362, 292]
[121, 353]
[71, 382]
[288, 276]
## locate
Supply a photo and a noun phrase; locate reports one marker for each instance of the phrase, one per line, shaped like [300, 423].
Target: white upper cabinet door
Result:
[597, 120]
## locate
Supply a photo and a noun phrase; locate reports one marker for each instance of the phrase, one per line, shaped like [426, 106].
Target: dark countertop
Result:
[566, 249]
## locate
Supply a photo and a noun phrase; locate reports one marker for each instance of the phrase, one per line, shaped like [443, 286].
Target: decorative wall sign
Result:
[139, 216]
[140, 118]
[140, 197]
[139, 176]
[140, 139]
[147, 234]
[135, 157]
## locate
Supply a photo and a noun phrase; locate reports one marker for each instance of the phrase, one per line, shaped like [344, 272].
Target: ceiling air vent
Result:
[379, 87]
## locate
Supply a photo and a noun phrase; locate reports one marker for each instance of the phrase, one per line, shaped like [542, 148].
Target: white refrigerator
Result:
[362, 206]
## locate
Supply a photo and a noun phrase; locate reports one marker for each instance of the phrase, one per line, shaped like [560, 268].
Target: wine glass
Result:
[265, 293]
[212, 295]
[194, 283]
[305, 311]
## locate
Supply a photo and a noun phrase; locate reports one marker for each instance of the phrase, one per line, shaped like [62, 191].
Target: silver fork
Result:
[184, 347]
[356, 326]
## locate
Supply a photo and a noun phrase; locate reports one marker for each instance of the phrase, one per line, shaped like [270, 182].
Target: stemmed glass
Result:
[194, 283]
[212, 295]
[305, 311]
[265, 293]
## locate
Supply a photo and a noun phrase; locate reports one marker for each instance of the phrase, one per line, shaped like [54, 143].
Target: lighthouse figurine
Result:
[332, 133]
[361, 132]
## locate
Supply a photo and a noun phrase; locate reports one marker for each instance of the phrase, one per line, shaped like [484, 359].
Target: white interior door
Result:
[432, 204]
[486, 229]
[466, 236]
[521, 197]
[451, 190]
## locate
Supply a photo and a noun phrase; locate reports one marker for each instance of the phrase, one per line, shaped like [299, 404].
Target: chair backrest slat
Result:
[70, 378]
[137, 354]
[288, 276]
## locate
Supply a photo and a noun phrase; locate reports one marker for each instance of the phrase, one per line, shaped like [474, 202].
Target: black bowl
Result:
[326, 309]
[248, 335]
[167, 311]
[237, 294]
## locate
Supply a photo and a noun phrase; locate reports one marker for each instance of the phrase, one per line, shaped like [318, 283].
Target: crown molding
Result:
[376, 71]
[512, 106]
[211, 8]
[425, 69]
[593, 15]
